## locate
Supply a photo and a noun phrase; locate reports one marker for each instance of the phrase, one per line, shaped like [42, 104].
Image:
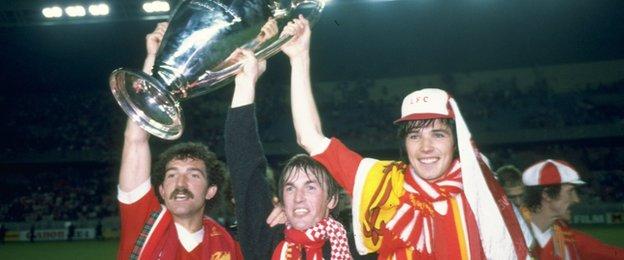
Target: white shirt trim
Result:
[189, 240]
[360, 178]
[542, 237]
[320, 147]
[129, 197]
[526, 232]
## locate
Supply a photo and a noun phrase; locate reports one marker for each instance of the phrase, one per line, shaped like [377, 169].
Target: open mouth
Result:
[181, 195]
[428, 160]
[300, 211]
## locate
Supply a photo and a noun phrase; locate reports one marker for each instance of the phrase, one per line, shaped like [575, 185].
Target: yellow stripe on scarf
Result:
[460, 229]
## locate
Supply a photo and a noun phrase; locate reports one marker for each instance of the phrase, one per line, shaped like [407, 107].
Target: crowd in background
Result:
[58, 193]
[92, 121]
[89, 122]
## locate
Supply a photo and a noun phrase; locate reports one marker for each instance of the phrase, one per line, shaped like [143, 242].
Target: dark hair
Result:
[509, 176]
[533, 195]
[215, 170]
[407, 127]
[313, 170]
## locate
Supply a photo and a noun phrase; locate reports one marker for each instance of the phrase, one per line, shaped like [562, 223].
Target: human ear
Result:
[212, 191]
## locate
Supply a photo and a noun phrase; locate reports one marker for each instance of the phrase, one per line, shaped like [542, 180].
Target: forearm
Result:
[135, 159]
[244, 94]
[306, 120]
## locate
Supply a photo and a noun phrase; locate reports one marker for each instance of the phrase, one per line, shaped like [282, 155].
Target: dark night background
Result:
[61, 123]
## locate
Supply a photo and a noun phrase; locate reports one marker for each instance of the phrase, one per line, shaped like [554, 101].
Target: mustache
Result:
[183, 191]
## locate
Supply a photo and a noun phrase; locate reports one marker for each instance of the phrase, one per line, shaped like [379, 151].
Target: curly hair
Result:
[215, 169]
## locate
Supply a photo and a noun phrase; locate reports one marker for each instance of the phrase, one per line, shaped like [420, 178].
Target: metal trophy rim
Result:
[161, 130]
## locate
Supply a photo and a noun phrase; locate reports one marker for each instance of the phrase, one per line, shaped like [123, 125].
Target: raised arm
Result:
[247, 164]
[306, 119]
[136, 158]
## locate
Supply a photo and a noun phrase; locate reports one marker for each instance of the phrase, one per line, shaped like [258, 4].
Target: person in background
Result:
[549, 194]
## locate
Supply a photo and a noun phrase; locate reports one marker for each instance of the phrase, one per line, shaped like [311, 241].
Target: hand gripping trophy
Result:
[196, 56]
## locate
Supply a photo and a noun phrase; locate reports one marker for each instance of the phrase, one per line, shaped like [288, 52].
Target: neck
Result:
[542, 219]
[191, 224]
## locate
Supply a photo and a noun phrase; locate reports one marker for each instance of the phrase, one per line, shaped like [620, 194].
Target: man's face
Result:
[185, 187]
[430, 150]
[514, 194]
[305, 200]
[561, 205]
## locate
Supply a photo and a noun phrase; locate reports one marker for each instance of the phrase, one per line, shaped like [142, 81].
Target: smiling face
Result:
[305, 199]
[185, 188]
[430, 149]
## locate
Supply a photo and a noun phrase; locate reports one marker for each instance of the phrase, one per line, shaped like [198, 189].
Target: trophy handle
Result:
[300, 7]
[213, 80]
[146, 101]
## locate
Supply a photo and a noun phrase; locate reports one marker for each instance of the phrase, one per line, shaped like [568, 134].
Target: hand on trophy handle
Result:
[299, 44]
[269, 29]
[245, 81]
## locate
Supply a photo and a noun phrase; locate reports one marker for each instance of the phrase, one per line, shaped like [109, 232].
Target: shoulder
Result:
[213, 228]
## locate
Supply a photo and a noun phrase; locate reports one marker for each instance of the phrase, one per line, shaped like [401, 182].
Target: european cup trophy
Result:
[195, 58]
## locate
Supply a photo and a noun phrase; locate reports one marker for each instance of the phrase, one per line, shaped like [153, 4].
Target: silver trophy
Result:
[195, 58]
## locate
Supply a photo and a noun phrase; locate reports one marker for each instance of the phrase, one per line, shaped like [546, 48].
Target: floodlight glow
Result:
[75, 11]
[156, 7]
[99, 9]
[52, 12]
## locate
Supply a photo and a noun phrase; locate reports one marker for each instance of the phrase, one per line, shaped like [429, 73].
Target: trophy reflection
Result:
[196, 56]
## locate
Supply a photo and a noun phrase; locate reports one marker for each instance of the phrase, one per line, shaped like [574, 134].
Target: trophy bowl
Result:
[195, 56]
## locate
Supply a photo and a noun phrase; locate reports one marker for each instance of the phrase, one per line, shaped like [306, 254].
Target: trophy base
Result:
[146, 101]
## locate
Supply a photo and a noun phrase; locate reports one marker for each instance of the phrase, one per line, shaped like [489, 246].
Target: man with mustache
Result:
[550, 192]
[306, 190]
[186, 179]
[441, 202]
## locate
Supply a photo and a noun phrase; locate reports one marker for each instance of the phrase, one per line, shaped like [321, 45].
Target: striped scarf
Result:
[312, 240]
[413, 222]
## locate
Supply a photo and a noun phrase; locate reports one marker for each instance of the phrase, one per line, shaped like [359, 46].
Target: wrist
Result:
[300, 59]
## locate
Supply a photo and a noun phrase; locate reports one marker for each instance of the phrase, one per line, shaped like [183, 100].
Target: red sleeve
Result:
[341, 162]
[591, 248]
[133, 217]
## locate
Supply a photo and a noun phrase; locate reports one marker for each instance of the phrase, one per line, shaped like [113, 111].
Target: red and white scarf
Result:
[413, 222]
[312, 240]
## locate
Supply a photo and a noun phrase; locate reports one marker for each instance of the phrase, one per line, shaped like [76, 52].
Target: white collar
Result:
[189, 240]
[542, 237]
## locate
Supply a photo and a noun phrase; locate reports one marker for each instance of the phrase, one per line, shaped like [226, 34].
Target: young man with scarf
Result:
[187, 177]
[433, 206]
[307, 192]
[550, 191]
